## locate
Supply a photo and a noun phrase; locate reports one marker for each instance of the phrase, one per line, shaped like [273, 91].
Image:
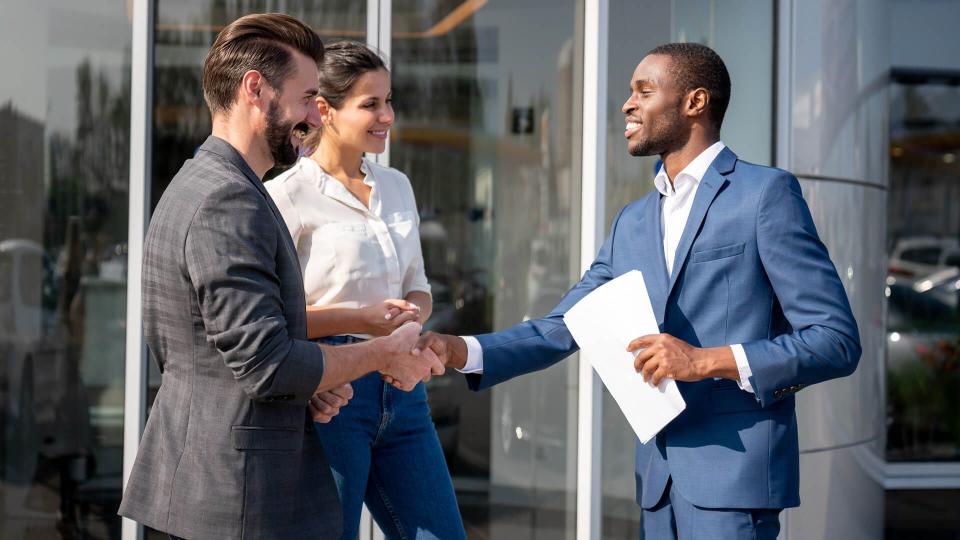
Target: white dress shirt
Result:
[676, 202]
[352, 256]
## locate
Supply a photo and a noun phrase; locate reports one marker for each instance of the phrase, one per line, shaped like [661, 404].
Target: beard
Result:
[667, 133]
[278, 136]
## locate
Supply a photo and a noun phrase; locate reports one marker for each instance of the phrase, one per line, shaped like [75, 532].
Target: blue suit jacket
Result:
[750, 269]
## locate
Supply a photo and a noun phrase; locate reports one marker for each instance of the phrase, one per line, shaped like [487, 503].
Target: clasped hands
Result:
[394, 358]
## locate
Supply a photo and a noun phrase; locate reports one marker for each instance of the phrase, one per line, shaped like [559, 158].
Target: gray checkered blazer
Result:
[229, 450]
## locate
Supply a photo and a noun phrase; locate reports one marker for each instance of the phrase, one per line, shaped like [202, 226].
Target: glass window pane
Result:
[63, 241]
[742, 34]
[184, 31]
[923, 287]
[487, 130]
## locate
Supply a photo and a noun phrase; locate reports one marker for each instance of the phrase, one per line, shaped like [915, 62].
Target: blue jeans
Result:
[384, 451]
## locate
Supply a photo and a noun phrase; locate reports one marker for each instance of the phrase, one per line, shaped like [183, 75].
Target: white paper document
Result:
[603, 323]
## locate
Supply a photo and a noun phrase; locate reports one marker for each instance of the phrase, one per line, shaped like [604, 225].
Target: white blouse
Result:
[352, 256]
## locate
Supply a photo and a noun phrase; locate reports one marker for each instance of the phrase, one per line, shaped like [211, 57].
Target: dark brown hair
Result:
[698, 66]
[343, 63]
[262, 42]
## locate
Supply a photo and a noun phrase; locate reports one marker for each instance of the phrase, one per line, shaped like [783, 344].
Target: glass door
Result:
[486, 98]
[488, 111]
[64, 189]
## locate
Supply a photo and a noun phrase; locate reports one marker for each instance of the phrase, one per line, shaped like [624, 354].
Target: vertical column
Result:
[376, 15]
[590, 414]
[379, 15]
[832, 130]
[141, 114]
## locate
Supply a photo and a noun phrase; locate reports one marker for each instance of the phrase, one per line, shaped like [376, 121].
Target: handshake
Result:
[403, 358]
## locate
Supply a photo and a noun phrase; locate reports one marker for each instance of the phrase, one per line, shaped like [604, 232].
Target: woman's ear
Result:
[326, 110]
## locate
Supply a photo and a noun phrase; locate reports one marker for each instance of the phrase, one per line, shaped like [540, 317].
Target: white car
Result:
[918, 256]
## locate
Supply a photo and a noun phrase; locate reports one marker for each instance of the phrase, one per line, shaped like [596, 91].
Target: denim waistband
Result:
[339, 340]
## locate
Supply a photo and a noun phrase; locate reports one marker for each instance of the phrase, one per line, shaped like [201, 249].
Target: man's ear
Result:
[252, 86]
[697, 102]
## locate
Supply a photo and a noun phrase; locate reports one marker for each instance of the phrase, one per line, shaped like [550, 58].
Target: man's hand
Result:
[325, 405]
[402, 368]
[383, 318]
[452, 350]
[662, 356]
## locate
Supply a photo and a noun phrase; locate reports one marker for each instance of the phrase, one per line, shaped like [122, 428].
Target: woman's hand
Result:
[383, 318]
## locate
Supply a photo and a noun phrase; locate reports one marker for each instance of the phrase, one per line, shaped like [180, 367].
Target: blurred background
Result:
[859, 98]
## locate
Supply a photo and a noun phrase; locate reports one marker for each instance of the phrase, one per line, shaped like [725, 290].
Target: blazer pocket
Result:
[262, 438]
[717, 253]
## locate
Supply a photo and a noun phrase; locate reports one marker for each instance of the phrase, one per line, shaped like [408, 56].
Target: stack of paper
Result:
[603, 323]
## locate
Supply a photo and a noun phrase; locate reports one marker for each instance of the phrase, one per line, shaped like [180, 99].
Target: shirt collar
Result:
[332, 187]
[694, 170]
[322, 177]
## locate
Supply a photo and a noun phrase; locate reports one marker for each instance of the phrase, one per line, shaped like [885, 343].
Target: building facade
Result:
[508, 124]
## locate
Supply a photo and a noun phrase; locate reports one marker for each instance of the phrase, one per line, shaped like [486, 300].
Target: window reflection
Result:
[486, 130]
[923, 286]
[184, 31]
[63, 231]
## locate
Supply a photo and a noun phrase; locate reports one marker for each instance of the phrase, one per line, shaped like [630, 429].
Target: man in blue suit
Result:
[750, 307]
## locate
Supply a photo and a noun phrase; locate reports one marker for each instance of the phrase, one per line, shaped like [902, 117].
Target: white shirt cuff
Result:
[742, 367]
[474, 356]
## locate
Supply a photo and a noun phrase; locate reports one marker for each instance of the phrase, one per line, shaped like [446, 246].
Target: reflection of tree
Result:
[89, 172]
[85, 225]
[922, 396]
[181, 117]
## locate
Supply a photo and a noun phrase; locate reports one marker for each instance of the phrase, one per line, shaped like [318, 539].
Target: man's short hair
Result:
[262, 42]
[698, 66]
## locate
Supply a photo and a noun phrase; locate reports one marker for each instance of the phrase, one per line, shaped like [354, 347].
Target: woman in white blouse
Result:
[355, 225]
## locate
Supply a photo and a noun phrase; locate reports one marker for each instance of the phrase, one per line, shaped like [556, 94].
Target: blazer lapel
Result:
[656, 265]
[222, 148]
[709, 187]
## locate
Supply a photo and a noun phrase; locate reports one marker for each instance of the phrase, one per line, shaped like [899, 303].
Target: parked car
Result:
[917, 256]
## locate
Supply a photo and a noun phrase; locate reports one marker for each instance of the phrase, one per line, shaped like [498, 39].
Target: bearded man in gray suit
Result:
[229, 449]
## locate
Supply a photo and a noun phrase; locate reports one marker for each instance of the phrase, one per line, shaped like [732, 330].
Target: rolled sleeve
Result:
[230, 254]
[415, 277]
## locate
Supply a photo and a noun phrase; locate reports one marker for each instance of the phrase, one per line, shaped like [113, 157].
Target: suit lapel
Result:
[656, 265]
[224, 149]
[709, 187]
